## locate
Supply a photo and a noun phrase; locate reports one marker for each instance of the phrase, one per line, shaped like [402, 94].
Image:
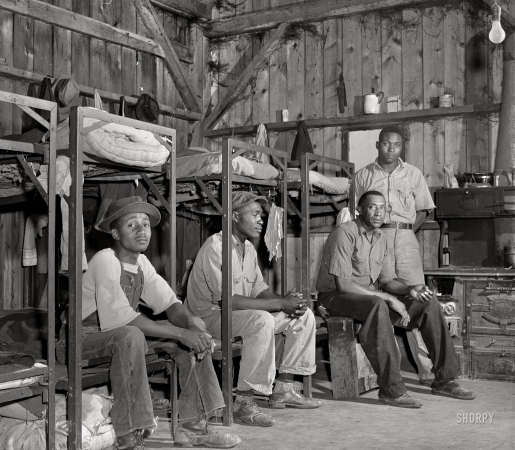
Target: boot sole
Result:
[397, 405]
[280, 405]
[242, 422]
[443, 394]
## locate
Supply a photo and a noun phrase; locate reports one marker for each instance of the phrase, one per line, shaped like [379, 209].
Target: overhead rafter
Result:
[153, 26]
[243, 80]
[187, 8]
[87, 26]
[303, 12]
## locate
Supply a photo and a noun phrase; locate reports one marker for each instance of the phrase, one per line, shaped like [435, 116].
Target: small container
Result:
[446, 101]
[509, 256]
[285, 115]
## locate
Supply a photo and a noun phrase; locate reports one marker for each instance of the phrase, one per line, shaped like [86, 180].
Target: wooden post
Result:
[342, 352]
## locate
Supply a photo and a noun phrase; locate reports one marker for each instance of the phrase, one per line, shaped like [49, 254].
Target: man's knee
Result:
[130, 336]
[260, 321]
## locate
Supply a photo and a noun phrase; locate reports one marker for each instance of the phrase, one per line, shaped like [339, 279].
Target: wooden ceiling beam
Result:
[188, 8]
[153, 26]
[87, 26]
[304, 12]
[244, 79]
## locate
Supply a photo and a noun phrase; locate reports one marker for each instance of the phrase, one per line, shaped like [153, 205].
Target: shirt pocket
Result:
[406, 196]
[361, 265]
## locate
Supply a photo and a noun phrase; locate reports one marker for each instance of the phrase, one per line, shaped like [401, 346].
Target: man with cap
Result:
[257, 316]
[116, 280]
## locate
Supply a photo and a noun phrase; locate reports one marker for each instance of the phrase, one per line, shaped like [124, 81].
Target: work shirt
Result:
[405, 190]
[205, 280]
[102, 291]
[352, 253]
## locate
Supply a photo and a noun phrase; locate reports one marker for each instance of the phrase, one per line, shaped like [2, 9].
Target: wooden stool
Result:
[351, 372]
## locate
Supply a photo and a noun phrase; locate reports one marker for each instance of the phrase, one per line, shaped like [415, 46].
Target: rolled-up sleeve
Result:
[423, 199]
[157, 293]
[212, 270]
[340, 258]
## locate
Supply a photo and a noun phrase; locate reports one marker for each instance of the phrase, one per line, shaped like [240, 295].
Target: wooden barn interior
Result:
[217, 70]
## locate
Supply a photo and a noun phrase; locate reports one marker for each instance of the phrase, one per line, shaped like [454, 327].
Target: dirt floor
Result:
[488, 422]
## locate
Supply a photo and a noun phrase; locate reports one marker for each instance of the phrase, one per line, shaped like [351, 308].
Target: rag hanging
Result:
[343, 216]
[274, 232]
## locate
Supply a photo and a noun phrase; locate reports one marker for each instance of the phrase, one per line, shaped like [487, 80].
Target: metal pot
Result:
[479, 177]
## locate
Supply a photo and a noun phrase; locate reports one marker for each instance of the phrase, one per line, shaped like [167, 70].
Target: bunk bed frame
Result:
[19, 152]
[77, 157]
[310, 161]
[231, 148]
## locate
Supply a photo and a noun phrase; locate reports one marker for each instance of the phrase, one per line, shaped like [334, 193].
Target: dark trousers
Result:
[378, 340]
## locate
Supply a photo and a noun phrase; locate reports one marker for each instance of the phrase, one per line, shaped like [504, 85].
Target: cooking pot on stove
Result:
[479, 177]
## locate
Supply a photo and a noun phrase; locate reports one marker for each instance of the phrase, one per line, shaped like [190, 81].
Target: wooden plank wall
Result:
[418, 54]
[42, 48]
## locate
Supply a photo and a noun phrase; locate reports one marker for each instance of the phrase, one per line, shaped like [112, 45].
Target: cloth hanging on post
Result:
[301, 145]
[274, 232]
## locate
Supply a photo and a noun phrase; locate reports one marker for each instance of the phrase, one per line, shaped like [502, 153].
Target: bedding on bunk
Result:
[118, 143]
[329, 185]
[13, 181]
[205, 164]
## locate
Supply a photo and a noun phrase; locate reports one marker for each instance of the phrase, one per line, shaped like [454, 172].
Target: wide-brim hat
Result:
[66, 92]
[244, 198]
[128, 205]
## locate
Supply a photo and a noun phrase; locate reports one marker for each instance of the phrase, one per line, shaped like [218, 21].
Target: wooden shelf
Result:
[364, 122]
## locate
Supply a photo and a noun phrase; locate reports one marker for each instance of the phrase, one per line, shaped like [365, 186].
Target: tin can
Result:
[285, 115]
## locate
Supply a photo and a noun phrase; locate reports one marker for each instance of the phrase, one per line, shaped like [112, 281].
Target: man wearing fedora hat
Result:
[258, 315]
[117, 279]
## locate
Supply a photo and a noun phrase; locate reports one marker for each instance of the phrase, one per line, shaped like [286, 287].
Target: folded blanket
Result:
[330, 185]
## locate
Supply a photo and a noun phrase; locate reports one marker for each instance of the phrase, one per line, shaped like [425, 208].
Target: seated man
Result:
[257, 315]
[353, 261]
[117, 278]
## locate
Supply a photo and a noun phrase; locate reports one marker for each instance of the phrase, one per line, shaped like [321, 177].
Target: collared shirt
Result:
[405, 190]
[102, 292]
[205, 281]
[352, 253]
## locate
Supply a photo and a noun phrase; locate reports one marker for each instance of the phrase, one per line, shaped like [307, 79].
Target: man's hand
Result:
[400, 309]
[195, 339]
[293, 304]
[421, 293]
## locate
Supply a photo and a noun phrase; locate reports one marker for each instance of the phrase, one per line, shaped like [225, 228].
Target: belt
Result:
[398, 225]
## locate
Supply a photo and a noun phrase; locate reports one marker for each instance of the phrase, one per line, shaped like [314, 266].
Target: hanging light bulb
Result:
[496, 34]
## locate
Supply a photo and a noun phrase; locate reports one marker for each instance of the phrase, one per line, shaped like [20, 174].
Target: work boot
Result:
[285, 394]
[131, 441]
[403, 401]
[246, 411]
[197, 434]
[451, 388]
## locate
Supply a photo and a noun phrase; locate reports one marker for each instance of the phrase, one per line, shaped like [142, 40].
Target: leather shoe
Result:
[452, 389]
[404, 401]
[211, 439]
[293, 399]
[426, 381]
[246, 411]
[131, 441]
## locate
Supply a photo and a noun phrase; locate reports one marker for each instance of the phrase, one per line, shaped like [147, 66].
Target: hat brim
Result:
[139, 207]
[261, 199]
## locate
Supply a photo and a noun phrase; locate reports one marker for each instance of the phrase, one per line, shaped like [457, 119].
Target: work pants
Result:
[257, 329]
[132, 408]
[378, 340]
[404, 257]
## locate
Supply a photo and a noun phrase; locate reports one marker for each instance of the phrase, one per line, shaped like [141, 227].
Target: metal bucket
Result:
[509, 256]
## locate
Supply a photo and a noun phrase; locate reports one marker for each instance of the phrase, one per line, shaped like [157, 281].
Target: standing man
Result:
[408, 203]
[257, 316]
[354, 262]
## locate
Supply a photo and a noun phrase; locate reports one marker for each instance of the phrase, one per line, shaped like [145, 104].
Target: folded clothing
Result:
[330, 185]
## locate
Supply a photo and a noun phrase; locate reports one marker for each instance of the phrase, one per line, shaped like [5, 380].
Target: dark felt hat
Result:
[128, 205]
[66, 92]
[147, 109]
